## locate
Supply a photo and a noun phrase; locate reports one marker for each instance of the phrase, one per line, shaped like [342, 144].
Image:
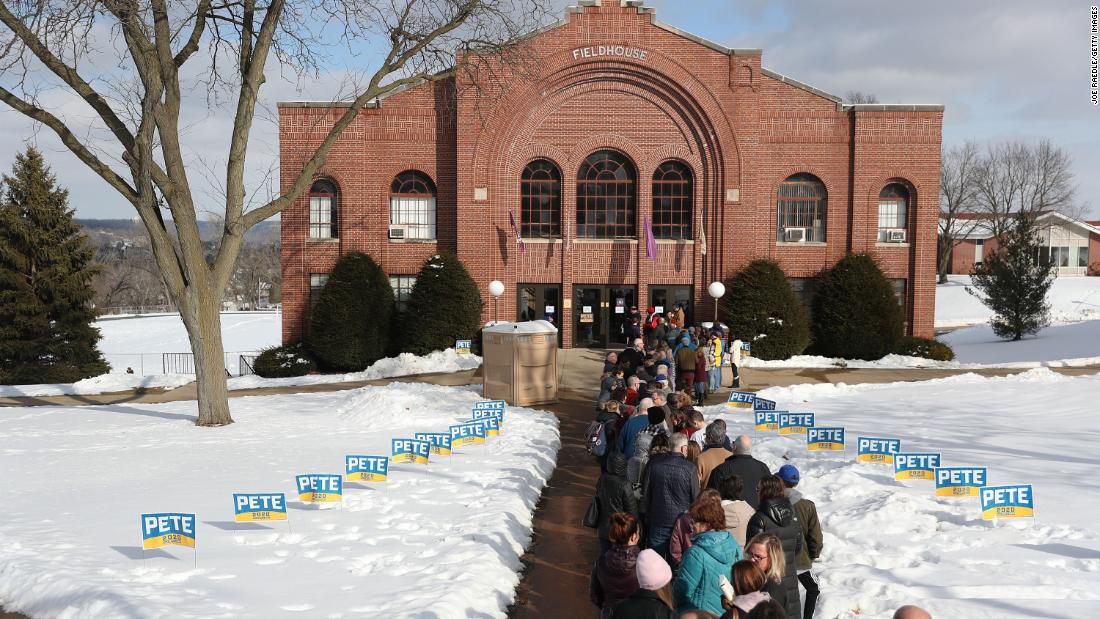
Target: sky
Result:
[1004, 69]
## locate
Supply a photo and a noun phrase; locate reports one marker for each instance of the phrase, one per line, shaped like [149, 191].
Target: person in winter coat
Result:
[669, 486]
[776, 515]
[611, 418]
[737, 511]
[626, 439]
[635, 468]
[655, 415]
[683, 531]
[614, 575]
[610, 382]
[766, 552]
[613, 494]
[714, 453]
[679, 316]
[712, 554]
[652, 599]
[630, 359]
[735, 361]
[748, 588]
[714, 373]
[742, 464]
[811, 537]
[701, 376]
[685, 365]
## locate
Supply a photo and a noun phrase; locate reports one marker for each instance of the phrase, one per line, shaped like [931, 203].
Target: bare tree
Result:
[137, 97]
[1016, 178]
[856, 96]
[958, 201]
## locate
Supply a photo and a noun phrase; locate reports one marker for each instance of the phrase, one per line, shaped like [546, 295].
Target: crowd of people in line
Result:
[689, 524]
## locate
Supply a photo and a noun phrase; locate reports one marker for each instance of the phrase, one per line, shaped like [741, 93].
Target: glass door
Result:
[620, 301]
[540, 302]
[589, 328]
[667, 298]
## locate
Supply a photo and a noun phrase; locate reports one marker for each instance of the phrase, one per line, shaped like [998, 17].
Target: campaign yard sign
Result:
[740, 399]
[366, 468]
[916, 466]
[469, 433]
[1008, 502]
[877, 450]
[462, 347]
[319, 488]
[167, 529]
[440, 442]
[824, 439]
[410, 450]
[763, 404]
[960, 480]
[766, 421]
[489, 408]
[795, 423]
[492, 425]
[259, 506]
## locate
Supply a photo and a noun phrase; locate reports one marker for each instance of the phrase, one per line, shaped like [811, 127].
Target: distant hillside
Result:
[266, 232]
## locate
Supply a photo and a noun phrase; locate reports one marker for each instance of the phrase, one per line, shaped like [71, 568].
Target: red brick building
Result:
[630, 125]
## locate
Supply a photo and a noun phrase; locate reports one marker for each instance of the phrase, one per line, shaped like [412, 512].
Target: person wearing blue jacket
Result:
[712, 555]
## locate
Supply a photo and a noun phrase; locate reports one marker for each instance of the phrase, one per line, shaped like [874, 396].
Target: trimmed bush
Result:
[444, 306]
[856, 314]
[283, 362]
[350, 325]
[925, 348]
[760, 307]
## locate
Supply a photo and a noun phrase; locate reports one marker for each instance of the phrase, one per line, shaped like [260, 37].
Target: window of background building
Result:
[1082, 256]
[672, 193]
[979, 252]
[402, 288]
[802, 209]
[606, 197]
[893, 209]
[322, 209]
[540, 200]
[412, 205]
[317, 282]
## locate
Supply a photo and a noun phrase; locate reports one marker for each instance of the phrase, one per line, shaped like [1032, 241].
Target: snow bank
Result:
[106, 383]
[1060, 344]
[1071, 299]
[889, 543]
[437, 540]
[404, 364]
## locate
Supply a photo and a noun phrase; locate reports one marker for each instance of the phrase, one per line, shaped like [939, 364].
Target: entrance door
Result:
[666, 298]
[601, 315]
[540, 302]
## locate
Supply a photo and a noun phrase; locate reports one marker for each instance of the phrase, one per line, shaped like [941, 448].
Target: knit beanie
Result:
[652, 570]
[656, 414]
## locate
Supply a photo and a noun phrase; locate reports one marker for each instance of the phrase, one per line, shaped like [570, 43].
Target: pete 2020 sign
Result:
[462, 347]
[960, 480]
[167, 529]
[492, 425]
[471, 433]
[1008, 502]
[260, 506]
[366, 468]
[319, 488]
[410, 450]
[916, 466]
[795, 423]
[766, 421]
[763, 404]
[824, 439]
[740, 399]
[877, 450]
[440, 442]
[490, 409]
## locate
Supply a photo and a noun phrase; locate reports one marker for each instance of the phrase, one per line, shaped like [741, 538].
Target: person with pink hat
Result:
[653, 599]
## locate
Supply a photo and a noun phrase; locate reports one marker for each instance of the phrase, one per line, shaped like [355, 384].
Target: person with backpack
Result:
[613, 494]
[811, 537]
[776, 516]
[600, 434]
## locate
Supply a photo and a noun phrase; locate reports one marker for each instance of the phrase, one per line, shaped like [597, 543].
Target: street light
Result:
[716, 290]
[496, 288]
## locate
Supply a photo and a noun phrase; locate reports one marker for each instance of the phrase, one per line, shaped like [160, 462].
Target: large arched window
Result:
[672, 190]
[802, 210]
[540, 200]
[412, 206]
[322, 209]
[893, 214]
[606, 206]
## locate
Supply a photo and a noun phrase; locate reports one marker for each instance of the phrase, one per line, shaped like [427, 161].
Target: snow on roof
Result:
[529, 326]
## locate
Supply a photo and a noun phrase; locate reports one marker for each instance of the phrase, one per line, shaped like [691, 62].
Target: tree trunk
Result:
[204, 328]
[945, 262]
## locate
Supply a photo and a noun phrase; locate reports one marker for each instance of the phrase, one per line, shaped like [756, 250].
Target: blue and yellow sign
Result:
[767, 421]
[462, 347]
[410, 450]
[487, 413]
[440, 442]
[262, 506]
[877, 450]
[470, 433]
[319, 488]
[492, 425]
[824, 439]
[1008, 502]
[741, 399]
[795, 423]
[960, 480]
[763, 404]
[366, 468]
[916, 466]
[167, 529]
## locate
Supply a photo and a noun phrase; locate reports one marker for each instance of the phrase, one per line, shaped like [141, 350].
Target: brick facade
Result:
[741, 128]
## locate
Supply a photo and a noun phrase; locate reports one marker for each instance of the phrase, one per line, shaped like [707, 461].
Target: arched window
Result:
[322, 209]
[802, 210]
[893, 213]
[540, 200]
[672, 201]
[412, 205]
[605, 196]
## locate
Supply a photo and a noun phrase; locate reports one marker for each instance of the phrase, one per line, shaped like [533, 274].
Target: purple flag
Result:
[515, 228]
[650, 242]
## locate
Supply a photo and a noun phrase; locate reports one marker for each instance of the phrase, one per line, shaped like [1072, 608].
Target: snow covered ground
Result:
[436, 540]
[402, 365]
[1071, 299]
[890, 542]
[1079, 341]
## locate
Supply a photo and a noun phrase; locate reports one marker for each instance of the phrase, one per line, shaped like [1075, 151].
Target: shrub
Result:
[1013, 282]
[444, 306]
[760, 307]
[925, 348]
[350, 326]
[283, 361]
[855, 311]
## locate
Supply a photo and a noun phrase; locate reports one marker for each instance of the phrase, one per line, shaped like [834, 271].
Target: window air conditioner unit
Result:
[397, 232]
[895, 236]
[795, 235]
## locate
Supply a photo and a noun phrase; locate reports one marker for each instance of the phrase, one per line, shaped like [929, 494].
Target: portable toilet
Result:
[520, 362]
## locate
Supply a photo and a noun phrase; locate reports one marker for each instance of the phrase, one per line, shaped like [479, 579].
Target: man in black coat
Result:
[613, 494]
[669, 486]
[632, 357]
[742, 464]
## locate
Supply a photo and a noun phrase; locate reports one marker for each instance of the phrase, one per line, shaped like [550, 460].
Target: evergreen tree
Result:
[760, 307]
[1013, 282]
[444, 306]
[46, 314]
[856, 314]
[350, 325]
